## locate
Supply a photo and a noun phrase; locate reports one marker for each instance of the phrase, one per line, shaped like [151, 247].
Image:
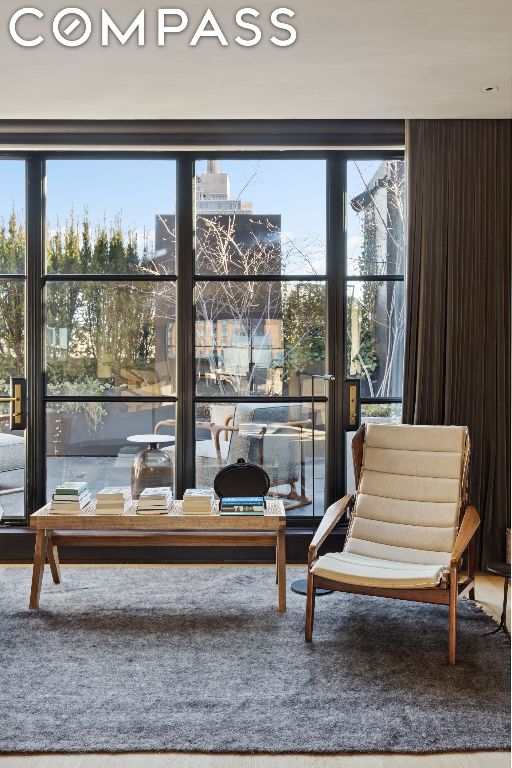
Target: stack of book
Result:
[113, 501]
[198, 501]
[155, 501]
[242, 505]
[70, 498]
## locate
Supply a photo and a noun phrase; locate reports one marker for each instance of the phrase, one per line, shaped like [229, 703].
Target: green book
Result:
[70, 489]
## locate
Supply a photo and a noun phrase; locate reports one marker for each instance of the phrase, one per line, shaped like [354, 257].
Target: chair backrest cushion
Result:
[409, 495]
[281, 444]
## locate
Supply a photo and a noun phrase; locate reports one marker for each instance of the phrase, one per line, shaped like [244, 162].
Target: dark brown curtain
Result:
[457, 359]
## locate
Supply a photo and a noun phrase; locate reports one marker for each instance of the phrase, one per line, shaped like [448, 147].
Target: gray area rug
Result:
[196, 659]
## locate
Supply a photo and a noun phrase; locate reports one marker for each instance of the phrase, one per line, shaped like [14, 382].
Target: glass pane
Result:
[12, 330]
[253, 217]
[376, 413]
[110, 216]
[258, 338]
[276, 436]
[375, 336]
[12, 217]
[12, 465]
[376, 217]
[106, 338]
[88, 441]
[12, 443]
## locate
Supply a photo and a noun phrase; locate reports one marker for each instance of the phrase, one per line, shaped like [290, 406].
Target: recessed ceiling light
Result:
[490, 88]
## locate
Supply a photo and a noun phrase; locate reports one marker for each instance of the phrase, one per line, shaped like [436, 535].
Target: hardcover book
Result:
[70, 489]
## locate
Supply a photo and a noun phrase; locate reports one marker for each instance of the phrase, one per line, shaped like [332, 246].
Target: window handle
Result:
[17, 400]
[351, 405]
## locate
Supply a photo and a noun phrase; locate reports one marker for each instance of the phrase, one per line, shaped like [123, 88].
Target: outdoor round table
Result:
[152, 467]
[501, 569]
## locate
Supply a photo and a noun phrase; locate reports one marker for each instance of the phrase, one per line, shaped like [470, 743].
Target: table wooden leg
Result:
[53, 559]
[281, 570]
[37, 573]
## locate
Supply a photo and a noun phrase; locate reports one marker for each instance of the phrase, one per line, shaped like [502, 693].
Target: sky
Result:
[137, 190]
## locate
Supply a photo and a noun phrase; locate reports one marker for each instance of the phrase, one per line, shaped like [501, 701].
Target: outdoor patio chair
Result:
[410, 522]
[271, 435]
[12, 458]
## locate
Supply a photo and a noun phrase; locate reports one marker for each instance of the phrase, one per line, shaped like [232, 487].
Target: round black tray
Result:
[241, 479]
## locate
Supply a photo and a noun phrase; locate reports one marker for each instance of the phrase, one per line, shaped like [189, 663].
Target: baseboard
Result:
[17, 546]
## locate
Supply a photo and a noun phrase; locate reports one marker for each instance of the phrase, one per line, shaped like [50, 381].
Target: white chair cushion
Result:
[432, 538]
[12, 452]
[373, 572]
[415, 463]
[408, 500]
[434, 514]
[409, 487]
[205, 449]
[412, 437]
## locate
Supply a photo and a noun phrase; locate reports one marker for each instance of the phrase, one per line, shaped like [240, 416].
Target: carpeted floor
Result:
[197, 659]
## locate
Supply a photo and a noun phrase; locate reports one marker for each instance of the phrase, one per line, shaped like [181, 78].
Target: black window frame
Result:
[185, 400]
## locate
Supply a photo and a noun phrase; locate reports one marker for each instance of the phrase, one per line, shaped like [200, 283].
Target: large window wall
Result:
[198, 295]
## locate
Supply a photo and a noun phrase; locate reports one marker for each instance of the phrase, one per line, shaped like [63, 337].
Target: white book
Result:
[70, 506]
[153, 504]
[61, 497]
[113, 494]
[75, 511]
[114, 503]
[156, 493]
[150, 512]
[113, 509]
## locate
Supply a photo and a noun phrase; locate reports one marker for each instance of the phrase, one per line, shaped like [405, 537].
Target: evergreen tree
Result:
[303, 327]
[12, 293]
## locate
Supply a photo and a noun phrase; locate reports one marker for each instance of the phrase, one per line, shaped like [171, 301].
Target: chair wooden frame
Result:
[297, 498]
[447, 592]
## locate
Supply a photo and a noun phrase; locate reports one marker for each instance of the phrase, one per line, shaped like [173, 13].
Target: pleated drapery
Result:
[457, 357]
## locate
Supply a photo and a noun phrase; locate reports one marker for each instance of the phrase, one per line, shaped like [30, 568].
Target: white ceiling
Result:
[352, 59]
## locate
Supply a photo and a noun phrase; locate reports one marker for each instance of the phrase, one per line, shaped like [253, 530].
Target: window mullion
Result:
[185, 417]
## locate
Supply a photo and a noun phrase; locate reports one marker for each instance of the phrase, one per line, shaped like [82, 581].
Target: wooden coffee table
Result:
[173, 529]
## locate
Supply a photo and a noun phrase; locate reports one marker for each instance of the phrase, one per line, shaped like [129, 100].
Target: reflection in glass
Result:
[12, 217]
[111, 216]
[276, 436]
[253, 218]
[12, 463]
[12, 330]
[374, 413]
[375, 336]
[111, 338]
[12, 363]
[258, 338]
[88, 441]
[376, 217]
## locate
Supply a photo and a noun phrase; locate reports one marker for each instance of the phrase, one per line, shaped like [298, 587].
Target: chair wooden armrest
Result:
[172, 423]
[216, 430]
[470, 523]
[300, 424]
[165, 423]
[331, 518]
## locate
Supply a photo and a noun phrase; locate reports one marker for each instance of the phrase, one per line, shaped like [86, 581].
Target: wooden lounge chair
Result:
[410, 522]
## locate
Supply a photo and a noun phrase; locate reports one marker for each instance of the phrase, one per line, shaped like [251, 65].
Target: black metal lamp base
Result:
[300, 587]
